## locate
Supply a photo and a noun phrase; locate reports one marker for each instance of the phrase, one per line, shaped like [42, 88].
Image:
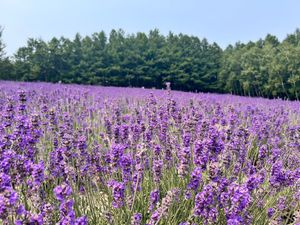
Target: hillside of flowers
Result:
[72, 154]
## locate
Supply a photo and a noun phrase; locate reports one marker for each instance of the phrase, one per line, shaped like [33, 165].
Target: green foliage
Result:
[135, 60]
[6, 67]
[267, 68]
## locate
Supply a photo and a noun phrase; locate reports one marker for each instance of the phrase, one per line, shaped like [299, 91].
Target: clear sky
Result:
[222, 21]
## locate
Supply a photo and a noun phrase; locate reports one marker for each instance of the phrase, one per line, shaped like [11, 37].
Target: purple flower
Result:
[281, 203]
[62, 192]
[263, 150]
[157, 167]
[278, 177]
[155, 216]
[81, 221]
[154, 198]
[200, 155]
[221, 148]
[184, 159]
[234, 221]
[254, 181]
[237, 201]
[4, 181]
[205, 203]
[118, 191]
[196, 178]
[271, 212]
[13, 197]
[18, 222]
[36, 219]
[157, 151]
[67, 214]
[136, 219]
[8, 200]
[38, 173]
[20, 210]
[166, 203]
[187, 139]
[126, 165]
[82, 143]
[214, 171]
[116, 154]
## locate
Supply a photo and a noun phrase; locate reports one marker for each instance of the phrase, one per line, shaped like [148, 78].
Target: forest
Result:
[267, 68]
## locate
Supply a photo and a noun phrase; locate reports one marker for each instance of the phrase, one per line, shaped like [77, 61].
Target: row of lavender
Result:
[90, 155]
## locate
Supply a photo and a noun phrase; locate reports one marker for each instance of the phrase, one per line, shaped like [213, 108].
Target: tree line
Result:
[267, 68]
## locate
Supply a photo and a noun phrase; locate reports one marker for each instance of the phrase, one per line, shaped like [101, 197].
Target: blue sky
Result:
[222, 21]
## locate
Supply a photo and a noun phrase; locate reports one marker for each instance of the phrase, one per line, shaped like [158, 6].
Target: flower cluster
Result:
[79, 155]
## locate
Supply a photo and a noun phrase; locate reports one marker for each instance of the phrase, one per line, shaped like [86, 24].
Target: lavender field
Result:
[74, 154]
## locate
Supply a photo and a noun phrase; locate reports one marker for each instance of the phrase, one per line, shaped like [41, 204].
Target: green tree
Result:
[6, 67]
[267, 67]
